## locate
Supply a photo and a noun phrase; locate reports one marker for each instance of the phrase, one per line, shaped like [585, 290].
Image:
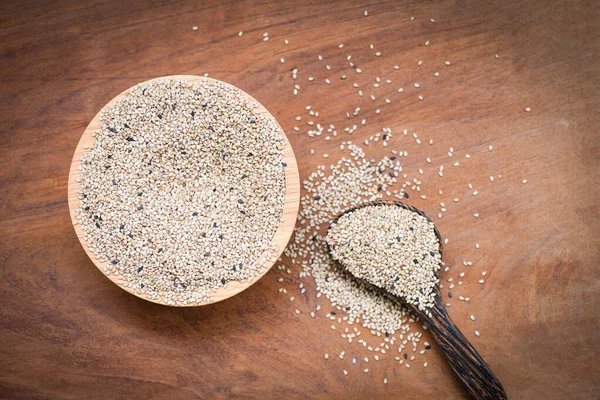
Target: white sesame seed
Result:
[527, 109]
[524, 181]
[476, 333]
[194, 28]
[240, 33]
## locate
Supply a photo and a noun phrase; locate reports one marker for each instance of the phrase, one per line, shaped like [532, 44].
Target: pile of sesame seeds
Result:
[178, 179]
[390, 247]
[352, 180]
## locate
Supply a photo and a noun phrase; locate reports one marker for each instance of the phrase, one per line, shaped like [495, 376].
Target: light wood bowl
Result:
[279, 240]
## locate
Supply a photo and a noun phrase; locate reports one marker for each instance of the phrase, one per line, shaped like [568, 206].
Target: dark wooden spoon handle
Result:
[468, 366]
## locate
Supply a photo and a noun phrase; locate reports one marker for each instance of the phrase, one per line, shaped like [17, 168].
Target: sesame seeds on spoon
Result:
[377, 242]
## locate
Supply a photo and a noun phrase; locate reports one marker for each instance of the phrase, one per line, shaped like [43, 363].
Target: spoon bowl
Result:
[466, 364]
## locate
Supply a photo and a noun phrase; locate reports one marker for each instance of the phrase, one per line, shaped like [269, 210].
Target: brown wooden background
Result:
[68, 332]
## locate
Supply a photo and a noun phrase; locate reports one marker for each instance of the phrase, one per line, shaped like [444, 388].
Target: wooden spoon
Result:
[467, 365]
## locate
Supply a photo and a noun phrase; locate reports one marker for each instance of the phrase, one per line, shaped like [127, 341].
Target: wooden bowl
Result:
[279, 240]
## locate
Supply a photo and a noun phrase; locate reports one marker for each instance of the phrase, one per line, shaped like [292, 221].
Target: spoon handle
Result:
[468, 366]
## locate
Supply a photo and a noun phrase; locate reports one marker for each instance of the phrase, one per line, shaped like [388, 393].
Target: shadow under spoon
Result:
[466, 364]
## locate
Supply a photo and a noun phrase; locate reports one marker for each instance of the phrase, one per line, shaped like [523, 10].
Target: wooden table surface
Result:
[68, 332]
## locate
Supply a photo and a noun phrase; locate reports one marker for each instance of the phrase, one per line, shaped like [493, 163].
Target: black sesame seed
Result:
[193, 113]
[318, 198]
[126, 126]
[87, 208]
[241, 201]
[130, 235]
[406, 196]
[450, 294]
[160, 250]
[333, 313]
[114, 182]
[97, 225]
[427, 346]
[223, 281]
[194, 214]
[160, 116]
[140, 208]
[284, 164]
[114, 262]
[207, 254]
[416, 261]
[113, 130]
[405, 356]
[121, 227]
[392, 158]
[130, 139]
[140, 269]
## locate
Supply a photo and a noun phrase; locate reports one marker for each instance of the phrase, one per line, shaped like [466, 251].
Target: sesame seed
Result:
[194, 28]
[240, 33]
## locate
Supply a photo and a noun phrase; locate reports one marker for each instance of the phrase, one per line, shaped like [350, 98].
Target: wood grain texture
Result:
[279, 240]
[67, 332]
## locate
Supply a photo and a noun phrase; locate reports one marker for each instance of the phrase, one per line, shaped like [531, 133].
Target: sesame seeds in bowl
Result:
[184, 190]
